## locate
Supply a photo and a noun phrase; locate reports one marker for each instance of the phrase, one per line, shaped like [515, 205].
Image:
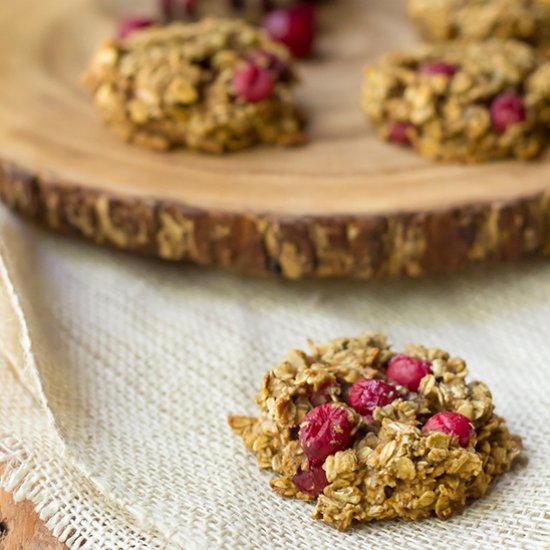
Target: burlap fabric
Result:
[117, 375]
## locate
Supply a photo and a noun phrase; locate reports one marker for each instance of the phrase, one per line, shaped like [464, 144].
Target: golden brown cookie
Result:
[462, 101]
[439, 20]
[368, 434]
[215, 86]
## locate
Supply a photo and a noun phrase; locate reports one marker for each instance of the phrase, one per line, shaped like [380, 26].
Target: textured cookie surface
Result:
[480, 19]
[463, 101]
[342, 426]
[215, 86]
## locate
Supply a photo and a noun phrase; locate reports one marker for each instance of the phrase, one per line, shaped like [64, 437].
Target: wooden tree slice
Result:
[346, 204]
[21, 528]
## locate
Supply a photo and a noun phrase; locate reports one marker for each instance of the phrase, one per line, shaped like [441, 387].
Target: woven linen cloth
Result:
[117, 375]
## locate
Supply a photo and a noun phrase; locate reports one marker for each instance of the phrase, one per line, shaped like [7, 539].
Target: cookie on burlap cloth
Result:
[373, 435]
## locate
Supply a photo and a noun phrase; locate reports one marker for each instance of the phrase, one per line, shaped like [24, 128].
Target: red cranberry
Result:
[312, 481]
[253, 83]
[399, 133]
[438, 67]
[507, 110]
[324, 431]
[366, 394]
[294, 27]
[407, 371]
[451, 423]
[128, 25]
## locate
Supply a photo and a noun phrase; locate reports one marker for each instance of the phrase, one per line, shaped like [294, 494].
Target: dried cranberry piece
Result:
[437, 68]
[452, 423]
[294, 27]
[128, 25]
[367, 394]
[324, 431]
[407, 371]
[253, 83]
[399, 133]
[312, 481]
[507, 110]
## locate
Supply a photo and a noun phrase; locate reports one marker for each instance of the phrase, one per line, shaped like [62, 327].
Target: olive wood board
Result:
[346, 204]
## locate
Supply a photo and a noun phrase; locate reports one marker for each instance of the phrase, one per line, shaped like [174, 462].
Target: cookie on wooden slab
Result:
[462, 101]
[440, 20]
[214, 86]
[369, 434]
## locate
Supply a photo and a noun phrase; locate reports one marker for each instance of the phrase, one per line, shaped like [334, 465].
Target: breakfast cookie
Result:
[462, 101]
[215, 86]
[369, 434]
[439, 20]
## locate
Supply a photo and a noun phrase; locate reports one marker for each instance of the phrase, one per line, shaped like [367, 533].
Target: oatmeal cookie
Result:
[368, 434]
[439, 20]
[467, 102]
[215, 86]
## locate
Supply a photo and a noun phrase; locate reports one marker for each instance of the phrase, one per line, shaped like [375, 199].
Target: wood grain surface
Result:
[21, 529]
[344, 205]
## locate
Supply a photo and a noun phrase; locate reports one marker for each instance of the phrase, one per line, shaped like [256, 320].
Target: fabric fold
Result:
[117, 376]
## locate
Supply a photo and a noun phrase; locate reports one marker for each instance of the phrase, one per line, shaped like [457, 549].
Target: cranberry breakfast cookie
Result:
[369, 434]
[214, 86]
[462, 101]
